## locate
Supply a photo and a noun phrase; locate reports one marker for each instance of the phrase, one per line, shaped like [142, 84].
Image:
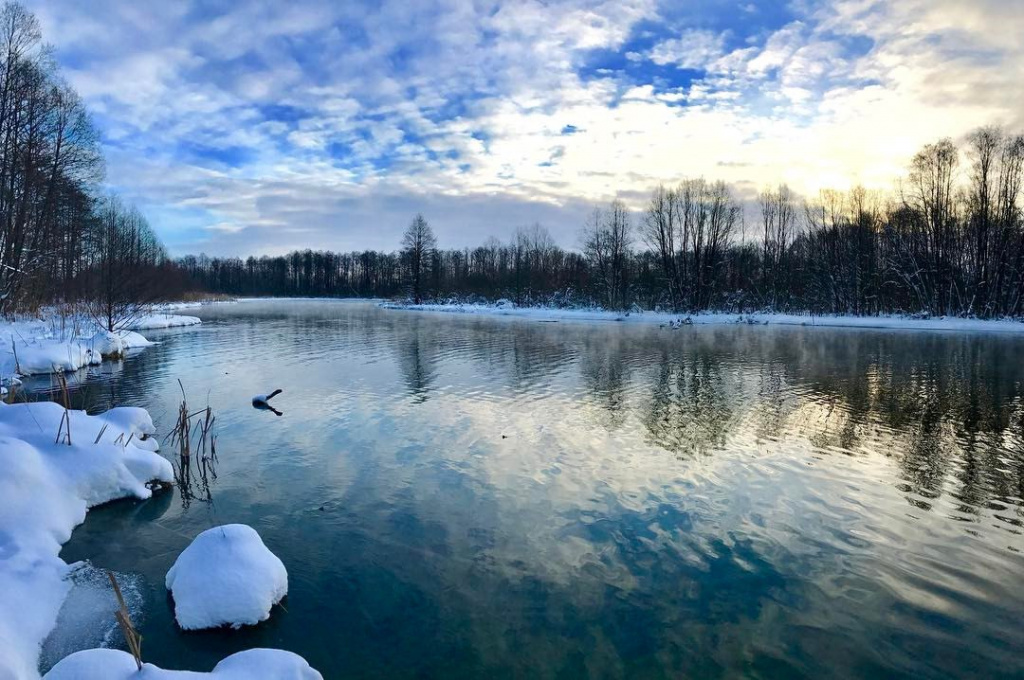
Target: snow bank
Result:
[226, 576]
[133, 340]
[31, 347]
[505, 308]
[150, 321]
[60, 344]
[253, 664]
[115, 345]
[45, 491]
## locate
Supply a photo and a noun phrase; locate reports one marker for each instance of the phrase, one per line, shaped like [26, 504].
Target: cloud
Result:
[695, 49]
[267, 126]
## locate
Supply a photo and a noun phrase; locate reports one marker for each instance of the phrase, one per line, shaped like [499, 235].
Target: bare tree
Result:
[659, 232]
[606, 243]
[418, 245]
[777, 220]
[126, 255]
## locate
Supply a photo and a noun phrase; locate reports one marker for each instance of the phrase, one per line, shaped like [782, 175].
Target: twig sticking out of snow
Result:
[131, 636]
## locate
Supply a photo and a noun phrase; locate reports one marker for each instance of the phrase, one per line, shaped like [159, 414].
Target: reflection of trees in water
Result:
[417, 358]
[773, 408]
[947, 407]
[607, 376]
[689, 409]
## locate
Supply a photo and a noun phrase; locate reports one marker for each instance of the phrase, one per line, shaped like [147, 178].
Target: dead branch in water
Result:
[131, 636]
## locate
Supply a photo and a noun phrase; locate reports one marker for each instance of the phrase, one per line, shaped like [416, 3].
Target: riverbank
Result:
[52, 343]
[675, 321]
[54, 466]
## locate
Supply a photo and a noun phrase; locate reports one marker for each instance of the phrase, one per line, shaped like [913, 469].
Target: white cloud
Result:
[457, 107]
[694, 49]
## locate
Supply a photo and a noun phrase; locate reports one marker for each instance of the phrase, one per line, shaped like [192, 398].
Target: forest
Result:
[947, 240]
[63, 240]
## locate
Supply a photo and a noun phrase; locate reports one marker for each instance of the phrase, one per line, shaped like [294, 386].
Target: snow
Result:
[226, 576]
[163, 320]
[45, 490]
[252, 664]
[506, 308]
[54, 466]
[54, 344]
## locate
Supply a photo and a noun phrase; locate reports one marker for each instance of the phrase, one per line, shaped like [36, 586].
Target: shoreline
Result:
[55, 465]
[49, 344]
[675, 321]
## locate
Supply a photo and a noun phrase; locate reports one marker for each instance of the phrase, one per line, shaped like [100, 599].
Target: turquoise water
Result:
[460, 497]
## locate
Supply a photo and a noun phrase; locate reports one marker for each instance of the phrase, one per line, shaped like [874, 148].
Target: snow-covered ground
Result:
[505, 308]
[53, 344]
[163, 320]
[55, 465]
[226, 577]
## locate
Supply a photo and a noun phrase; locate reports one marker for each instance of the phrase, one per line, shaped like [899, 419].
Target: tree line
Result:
[948, 240]
[61, 239]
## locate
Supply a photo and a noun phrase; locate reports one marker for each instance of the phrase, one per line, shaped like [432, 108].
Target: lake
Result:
[467, 496]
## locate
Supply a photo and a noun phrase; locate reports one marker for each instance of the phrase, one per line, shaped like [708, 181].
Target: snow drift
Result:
[45, 490]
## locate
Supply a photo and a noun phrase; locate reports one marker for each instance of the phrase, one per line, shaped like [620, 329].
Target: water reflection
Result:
[264, 406]
[458, 496]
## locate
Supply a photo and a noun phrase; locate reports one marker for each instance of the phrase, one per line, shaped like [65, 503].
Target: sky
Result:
[254, 127]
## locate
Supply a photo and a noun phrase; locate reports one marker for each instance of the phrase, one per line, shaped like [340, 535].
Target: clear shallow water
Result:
[465, 497]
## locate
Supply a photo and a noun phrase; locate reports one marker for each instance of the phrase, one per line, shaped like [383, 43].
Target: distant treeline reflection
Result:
[946, 407]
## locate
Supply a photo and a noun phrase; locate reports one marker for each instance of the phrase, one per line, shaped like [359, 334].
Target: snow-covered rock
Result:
[45, 490]
[107, 344]
[252, 664]
[133, 340]
[226, 577]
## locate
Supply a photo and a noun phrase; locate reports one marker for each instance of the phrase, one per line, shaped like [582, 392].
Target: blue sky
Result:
[259, 127]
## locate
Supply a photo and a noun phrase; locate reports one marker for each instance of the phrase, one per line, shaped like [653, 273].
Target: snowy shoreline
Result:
[718, 318]
[50, 344]
[55, 465]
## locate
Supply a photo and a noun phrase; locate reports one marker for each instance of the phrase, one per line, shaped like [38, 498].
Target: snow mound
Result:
[252, 664]
[133, 340]
[163, 321]
[40, 347]
[107, 344]
[45, 490]
[226, 576]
